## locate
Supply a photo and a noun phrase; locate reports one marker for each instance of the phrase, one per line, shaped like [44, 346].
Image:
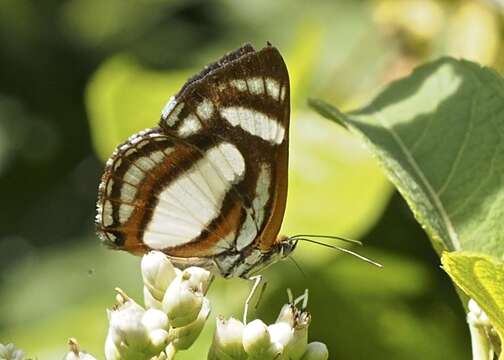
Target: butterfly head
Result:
[286, 246]
[280, 250]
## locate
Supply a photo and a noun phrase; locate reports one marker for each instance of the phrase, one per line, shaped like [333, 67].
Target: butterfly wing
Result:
[243, 99]
[213, 177]
[160, 193]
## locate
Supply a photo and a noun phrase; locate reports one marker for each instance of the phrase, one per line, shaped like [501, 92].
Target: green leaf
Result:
[438, 134]
[481, 278]
[335, 187]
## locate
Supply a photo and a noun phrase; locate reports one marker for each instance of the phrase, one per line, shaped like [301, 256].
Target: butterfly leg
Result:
[257, 279]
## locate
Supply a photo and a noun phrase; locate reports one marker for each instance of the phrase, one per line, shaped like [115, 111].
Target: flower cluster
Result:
[176, 311]
[286, 339]
[10, 352]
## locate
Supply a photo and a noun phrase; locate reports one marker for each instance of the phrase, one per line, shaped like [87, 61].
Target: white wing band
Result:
[255, 123]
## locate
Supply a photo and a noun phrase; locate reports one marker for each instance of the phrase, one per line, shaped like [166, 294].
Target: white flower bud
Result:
[257, 341]
[256, 335]
[200, 278]
[183, 300]
[154, 319]
[298, 342]
[157, 273]
[156, 323]
[126, 352]
[111, 350]
[126, 324]
[316, 351]
[158, 338]
[280, 333]
[476, 316]
[73, 354]
[287, 315]
[10, 352]
[169, 353]
[291, 331]
[183, 337]
[227, 343]
[482, 343]
[150, 301]
[133, 333]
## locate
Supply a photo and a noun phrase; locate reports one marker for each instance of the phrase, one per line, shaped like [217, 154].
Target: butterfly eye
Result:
[287, 247]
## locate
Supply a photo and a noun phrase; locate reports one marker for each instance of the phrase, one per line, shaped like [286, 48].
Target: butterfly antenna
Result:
[316, 236]
[350, 252]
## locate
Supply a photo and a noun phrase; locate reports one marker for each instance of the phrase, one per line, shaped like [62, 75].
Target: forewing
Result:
[243, 99]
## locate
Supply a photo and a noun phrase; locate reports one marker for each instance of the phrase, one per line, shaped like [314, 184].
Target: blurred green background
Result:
[79, 76]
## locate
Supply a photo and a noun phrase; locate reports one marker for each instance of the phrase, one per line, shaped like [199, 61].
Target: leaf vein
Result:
[460, 151]
[425, 130]
[455, 242]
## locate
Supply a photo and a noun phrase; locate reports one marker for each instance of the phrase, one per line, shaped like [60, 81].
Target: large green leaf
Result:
[481, 278]
[438, 133]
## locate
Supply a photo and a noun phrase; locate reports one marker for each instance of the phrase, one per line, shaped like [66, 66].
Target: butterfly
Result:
[208, 185]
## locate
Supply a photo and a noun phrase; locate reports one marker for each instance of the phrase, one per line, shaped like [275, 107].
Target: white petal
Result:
[316, 351]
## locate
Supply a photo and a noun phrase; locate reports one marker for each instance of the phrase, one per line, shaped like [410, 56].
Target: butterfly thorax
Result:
[245, 264]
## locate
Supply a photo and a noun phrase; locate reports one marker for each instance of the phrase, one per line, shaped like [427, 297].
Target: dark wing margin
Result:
[226, 59]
